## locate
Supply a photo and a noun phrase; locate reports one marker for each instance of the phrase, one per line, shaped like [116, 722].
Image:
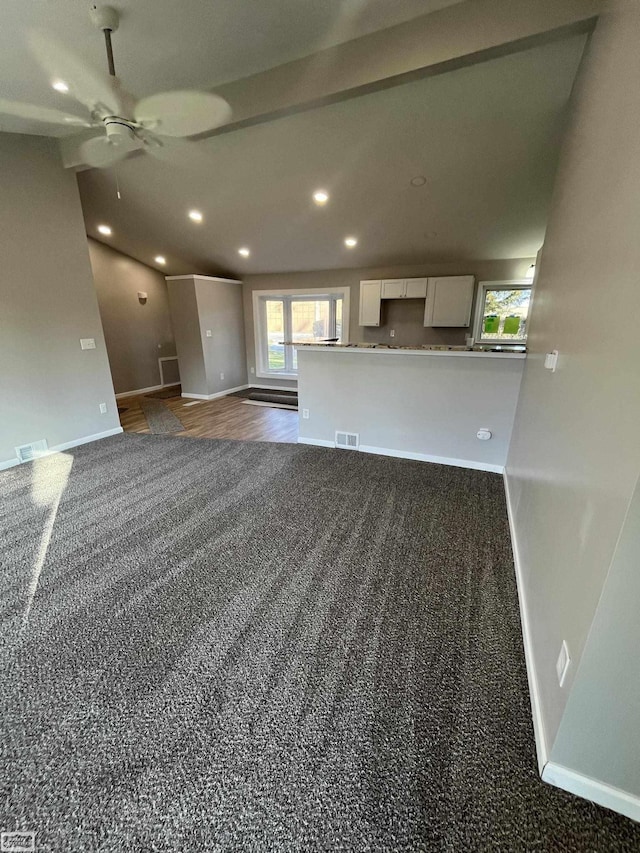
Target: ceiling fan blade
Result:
[178, 152]
[182, 113]
[36, 113]
[92, 89]
[99, 152]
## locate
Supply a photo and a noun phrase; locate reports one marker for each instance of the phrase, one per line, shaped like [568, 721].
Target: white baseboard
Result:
[316, 442]
[67, 445]
[591, 789]
[85, 440]
[270, 405]
[406, 454]
[542, 751]
[191, 396]
[140, 391]
[428, 457]
[9, 463]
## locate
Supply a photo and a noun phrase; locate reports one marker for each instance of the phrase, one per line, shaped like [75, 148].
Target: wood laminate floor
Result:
[226, 417]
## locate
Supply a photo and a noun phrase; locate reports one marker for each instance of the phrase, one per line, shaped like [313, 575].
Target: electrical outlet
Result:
[392, 333]
[252, 370]
[305, 414]
[103, 408]
[563, 663]
[222, 376]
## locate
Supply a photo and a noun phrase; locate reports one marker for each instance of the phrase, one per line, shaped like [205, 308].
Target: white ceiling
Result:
[486, 138]
[172, 44]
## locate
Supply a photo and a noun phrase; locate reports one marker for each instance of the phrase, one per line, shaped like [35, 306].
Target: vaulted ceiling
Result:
[484, 134]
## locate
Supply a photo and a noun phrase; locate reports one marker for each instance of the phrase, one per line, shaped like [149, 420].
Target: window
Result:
[295, 315]
[502, 312]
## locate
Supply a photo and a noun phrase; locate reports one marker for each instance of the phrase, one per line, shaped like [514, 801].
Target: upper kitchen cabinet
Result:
[404, 288]
[449, 301]
[370, 294]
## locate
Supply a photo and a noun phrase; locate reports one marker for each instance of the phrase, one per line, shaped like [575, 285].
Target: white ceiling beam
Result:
[450, 38]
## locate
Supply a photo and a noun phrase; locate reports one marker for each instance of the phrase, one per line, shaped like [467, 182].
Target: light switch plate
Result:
[87, 343]
[551, 360]
[208, 333]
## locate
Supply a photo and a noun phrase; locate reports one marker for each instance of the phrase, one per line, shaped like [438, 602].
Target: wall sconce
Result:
[142, 297]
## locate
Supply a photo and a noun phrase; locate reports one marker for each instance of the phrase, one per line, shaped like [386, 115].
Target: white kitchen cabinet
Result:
[392, 288]
[449, 301]
[404, 288]
[415, 288]
[370, 294]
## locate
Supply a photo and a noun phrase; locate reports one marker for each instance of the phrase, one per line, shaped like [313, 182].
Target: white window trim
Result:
[483, 286]
[258, 331]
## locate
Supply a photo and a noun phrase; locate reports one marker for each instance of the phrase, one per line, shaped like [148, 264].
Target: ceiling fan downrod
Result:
[106, 18]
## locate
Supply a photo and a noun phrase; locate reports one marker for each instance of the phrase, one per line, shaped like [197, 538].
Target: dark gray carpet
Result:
[265, 647]
[160, 418]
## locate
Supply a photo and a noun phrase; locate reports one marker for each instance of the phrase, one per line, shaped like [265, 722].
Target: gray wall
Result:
[600, 730]
[220, 311]
[406, 403]
[405, 317]
[575, 454]
[136, 334]
[200, 304]
[50, 387]
[186, 327]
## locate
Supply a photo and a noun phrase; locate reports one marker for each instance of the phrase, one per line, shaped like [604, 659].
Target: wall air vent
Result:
[28, 452]
[347, 440]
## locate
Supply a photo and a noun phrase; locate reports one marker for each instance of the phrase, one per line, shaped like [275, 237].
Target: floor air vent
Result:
[347, 440]
[32, 451]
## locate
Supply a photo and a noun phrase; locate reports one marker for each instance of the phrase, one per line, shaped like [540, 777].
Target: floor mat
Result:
[166, 393]
[160, 418]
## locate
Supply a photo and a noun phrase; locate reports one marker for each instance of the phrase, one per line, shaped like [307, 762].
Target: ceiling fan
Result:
[126, 124]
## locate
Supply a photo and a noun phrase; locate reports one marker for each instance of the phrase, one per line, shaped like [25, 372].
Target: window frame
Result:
[260, 298]
[511, 284]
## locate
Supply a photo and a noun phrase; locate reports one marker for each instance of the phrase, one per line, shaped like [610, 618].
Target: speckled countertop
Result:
[425, 349]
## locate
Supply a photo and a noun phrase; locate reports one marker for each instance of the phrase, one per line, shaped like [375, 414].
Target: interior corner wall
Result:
[405, 316]
[186, 326]
[599, 735]
[220, 312]
[575, 454]
[136, 333]
[51, 388]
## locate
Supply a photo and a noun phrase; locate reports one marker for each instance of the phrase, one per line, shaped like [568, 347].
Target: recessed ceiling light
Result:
[321, 197]
[244, 252]
[195, 215]
[60, 86]
[104, 229]
[160, 259]
[418, 181]
[350, 242]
